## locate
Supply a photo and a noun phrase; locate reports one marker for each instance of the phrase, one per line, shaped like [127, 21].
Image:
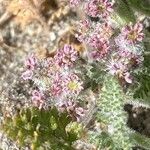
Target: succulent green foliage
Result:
[146, 40]
[143, 78]
[41, 129]
[95, 76]
[143, 91]
[140, 5]
[111, 113]
[141, 140]
[74, 128]
[126, 8]
[124, 11]
[102, 140]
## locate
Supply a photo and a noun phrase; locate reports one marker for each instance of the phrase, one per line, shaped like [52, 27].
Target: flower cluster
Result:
[129, 52]
[99, 8]
[30, 65]
[120, 53]
[96, 37]
[72, 84]
[74, 3]
[38, 99]
[54, 77]
[100, 45]
[66, 85]
[75, 111]
[66, 56]
[133, 33]
[119, 68]
[57, 88]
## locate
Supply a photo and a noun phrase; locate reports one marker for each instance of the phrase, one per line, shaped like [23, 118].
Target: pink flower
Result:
[74, 3]
[99, 8]
[56, 88]
[38, 99]
[27, 75]
[128, 77]
[133, 59]
[80, 112]
[133, 33]
[73, 108]
[66, 56]
[31, 62]
[98, 55]
[115, 67]
[96, 41]
[53, 67]
[105, 30]
[84, 24]
[100, 44]
[80, 37]
[72, 85]
[119, 69]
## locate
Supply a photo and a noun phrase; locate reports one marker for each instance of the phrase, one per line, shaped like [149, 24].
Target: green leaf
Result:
[141, 6]
[111, 103]
[141, 140]
[53, 123]
[142, 90]
[35, 127]
[124, 11]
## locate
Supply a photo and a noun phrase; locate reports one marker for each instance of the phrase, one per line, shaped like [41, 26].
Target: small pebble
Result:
[52, 36]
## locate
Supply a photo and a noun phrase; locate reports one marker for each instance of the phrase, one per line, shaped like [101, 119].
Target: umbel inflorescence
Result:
[112, 54]
[121, 53]
[57, 82]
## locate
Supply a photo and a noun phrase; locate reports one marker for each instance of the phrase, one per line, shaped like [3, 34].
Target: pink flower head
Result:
[31, 62]
[133, 59]
[84, 24]
[74, 3]
[125, 53]
[73, 108]
[105, 30]
[52, 67]
[100, 44]
[27, 75]
[96, 41]
[38, 99]
[66, 56]
[115, 67]
[81, 37]
[136, 60]
[72, 85]
[56, 88]
[128, 77]
[82, 29]
[119, 69]
[99, 8]
[80, 112]
[97, 55]
[133, 33]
